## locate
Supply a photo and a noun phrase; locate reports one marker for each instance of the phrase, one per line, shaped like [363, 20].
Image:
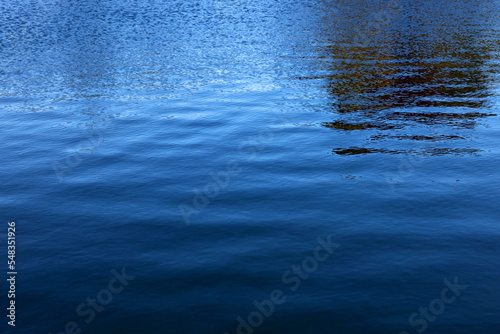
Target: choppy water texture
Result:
[205, 146]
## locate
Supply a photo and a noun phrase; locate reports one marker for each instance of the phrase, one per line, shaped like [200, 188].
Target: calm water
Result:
[206, 145]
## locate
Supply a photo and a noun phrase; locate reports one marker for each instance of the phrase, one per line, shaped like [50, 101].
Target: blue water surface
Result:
[205, 149]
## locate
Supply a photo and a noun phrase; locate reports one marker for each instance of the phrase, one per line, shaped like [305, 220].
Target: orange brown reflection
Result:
[421, 71]
[379, 82]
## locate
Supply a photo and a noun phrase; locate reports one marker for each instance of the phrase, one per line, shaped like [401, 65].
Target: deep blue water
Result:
[205, 145]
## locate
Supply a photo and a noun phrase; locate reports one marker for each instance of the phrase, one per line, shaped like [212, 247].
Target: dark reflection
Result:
[398, 119]
[406, 83]
[420, 138]
[434, 151]
[392, 65]
[358, 126]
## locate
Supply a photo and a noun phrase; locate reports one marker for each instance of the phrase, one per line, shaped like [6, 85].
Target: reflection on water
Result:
[430, 151]
[408, 67]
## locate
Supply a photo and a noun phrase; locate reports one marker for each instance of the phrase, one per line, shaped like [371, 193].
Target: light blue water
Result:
[205, 146]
